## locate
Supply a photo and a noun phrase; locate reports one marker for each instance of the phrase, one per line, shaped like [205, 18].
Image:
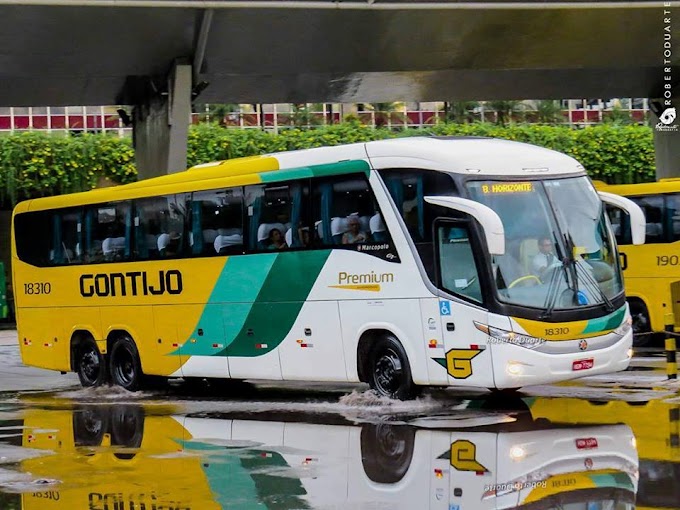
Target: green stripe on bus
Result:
[611, 321]
[235, 290]
[344, 167]
[279, 303]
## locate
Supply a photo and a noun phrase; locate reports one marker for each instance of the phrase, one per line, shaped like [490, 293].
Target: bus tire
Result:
[389, 373]
[89, 363]
[124, 364]
[89, 426]
[642, 329]
[386, 451]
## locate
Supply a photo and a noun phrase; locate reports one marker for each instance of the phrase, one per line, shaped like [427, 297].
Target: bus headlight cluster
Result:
[624, 327]
[497, 335]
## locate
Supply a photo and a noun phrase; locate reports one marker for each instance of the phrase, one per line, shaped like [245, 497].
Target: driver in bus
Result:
[544, 258]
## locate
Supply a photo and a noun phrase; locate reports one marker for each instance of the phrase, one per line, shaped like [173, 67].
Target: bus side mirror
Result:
[492, 225]
[638, 223]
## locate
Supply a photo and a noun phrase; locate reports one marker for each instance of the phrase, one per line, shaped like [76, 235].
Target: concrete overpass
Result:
[159, 55]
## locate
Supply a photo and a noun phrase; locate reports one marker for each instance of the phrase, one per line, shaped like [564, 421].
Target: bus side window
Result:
[160, 227]
[652, 206]
[33, 237]
[108, 232]
[217, 222]
[620, 222]
[66, 236]
[673, 217]
[346, 214]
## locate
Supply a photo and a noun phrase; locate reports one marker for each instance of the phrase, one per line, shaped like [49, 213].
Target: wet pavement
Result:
[606, 442]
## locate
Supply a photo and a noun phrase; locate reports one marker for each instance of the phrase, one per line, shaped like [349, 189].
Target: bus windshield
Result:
[560, 252]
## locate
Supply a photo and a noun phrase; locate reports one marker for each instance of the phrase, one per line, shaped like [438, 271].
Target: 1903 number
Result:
[667, 260]
[37, 288]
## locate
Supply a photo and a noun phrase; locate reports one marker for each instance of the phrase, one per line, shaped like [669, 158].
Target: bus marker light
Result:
[266, 455]
[175, 345]
[218, 346]
[438, 473]
[433, 344]
[629, 353]
[260, 346]
[47, 344]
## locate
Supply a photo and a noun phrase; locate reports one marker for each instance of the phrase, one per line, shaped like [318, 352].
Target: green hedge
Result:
[37, 164]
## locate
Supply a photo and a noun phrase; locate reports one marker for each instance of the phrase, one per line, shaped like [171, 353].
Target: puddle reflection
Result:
[131, 457]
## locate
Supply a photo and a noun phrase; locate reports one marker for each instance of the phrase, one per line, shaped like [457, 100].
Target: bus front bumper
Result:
[515, 367]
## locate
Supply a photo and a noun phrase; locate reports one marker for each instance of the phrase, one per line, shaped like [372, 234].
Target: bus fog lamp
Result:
[517, 453]
[513, 368]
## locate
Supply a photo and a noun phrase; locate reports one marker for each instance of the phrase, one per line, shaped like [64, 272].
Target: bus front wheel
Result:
[124, 364]
[389, 371]
[90, 364]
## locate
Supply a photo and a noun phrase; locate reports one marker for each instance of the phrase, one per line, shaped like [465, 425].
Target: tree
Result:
[549, 111]
[504, 110]
[461, 112]
[218, 112]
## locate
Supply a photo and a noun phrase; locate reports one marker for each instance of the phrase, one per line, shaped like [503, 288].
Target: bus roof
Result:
[467, 155]
[645, 188]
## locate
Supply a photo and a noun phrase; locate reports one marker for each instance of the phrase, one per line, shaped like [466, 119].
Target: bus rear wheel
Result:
[89, 364]
[389, 372]
[124, 364]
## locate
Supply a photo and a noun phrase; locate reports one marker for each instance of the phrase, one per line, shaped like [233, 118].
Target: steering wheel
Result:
[527, 278]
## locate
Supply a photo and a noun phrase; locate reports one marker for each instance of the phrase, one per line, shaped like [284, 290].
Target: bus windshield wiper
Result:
[553, 287]
[592, 284]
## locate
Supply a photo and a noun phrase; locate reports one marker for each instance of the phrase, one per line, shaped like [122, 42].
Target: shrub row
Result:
[37, 164]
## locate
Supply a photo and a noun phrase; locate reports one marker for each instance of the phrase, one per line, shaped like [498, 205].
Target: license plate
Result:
[583, 364]
[586, 443]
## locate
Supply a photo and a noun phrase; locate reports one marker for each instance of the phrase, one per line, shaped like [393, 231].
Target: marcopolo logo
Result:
[132, 283]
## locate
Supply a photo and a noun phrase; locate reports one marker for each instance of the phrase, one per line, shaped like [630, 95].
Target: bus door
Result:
[467, 356]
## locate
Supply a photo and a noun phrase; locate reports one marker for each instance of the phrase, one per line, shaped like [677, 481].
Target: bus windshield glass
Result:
[559, 252]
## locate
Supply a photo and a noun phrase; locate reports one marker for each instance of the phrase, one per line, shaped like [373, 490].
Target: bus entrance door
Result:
[467, 357]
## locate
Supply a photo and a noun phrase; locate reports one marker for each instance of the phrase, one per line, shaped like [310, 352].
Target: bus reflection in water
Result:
[121, 458]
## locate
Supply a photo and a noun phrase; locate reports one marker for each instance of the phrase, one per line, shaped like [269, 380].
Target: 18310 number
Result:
[37, 288]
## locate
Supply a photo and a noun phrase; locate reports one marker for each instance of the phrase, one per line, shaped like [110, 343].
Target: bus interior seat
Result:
[377, 228]
[227, 240]
[289, 237]
[264, 230]
[528, 249]
[209, 235]
[111, 246]
[318, 226]
[616, 228]
[338, 228]
[653, 229]
[365, 222]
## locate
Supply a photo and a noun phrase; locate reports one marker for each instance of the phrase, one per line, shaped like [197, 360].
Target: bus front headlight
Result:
[624, 328]
[497, 335]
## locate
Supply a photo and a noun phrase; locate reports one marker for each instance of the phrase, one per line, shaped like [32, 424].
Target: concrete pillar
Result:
[666, 138]
[161, 125]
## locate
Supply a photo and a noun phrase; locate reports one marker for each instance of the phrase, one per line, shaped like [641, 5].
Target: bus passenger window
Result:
[278, 216]
[652, 206]
[108, 232]
[346, 215]
[34, 237]
[673, 217]
[217, 222]
[66, 237]
[160, 227]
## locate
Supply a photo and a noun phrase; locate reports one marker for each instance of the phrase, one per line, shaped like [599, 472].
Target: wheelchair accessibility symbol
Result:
[445, 308]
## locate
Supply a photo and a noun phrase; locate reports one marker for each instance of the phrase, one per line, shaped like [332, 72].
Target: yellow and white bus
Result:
[651, 271]
[109, 457]
[400, 263]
